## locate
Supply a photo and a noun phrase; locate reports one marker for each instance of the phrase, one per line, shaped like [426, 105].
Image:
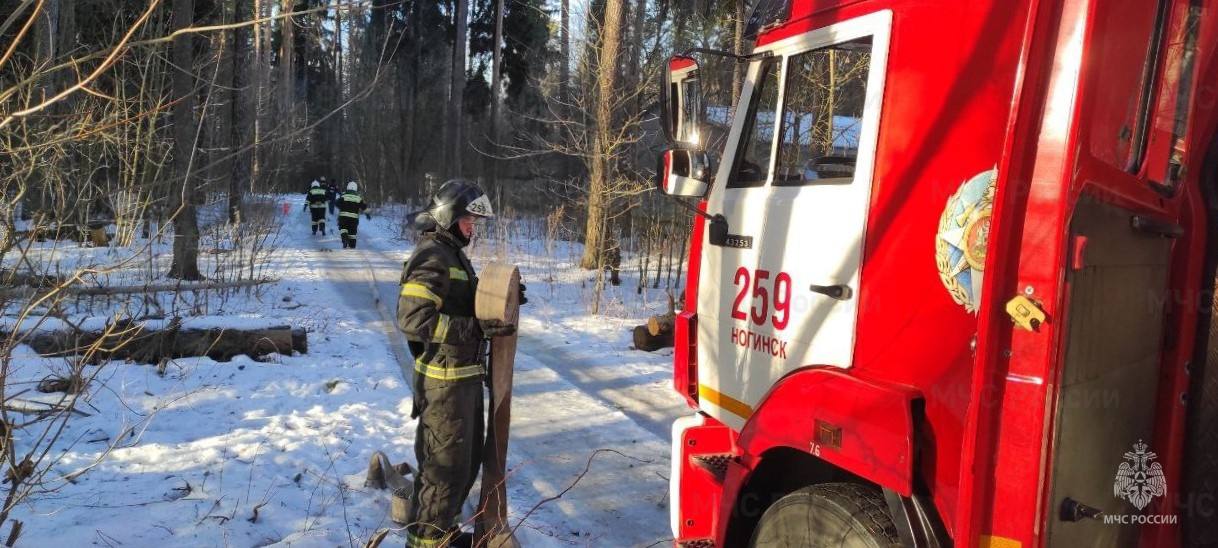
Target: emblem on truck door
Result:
[964, 231]
[1139, 479]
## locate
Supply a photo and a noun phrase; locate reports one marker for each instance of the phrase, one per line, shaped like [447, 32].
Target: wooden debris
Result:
[53, 383]
[644, 340]
[660, 325]
[136, 343]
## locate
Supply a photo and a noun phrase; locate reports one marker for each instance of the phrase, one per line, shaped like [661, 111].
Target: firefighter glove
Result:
[496, 328]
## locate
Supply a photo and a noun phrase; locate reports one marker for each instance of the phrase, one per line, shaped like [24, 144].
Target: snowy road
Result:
[244, 453]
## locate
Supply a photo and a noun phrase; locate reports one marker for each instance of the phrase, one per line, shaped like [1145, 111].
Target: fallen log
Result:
[644, 340]
[143, 344]
[660, 325]
[22, 292]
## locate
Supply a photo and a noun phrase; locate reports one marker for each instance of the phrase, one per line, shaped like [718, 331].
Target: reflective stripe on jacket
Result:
[436, 309]
[350, 205]
[316, 197]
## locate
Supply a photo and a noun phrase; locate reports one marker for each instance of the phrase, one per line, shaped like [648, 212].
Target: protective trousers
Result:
[348, 227]
[319, 218]
[448, 446]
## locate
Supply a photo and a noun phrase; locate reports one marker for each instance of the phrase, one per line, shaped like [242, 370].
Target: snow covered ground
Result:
[247, 453]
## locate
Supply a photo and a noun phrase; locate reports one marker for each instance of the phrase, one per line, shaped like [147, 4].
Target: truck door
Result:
[794, 187]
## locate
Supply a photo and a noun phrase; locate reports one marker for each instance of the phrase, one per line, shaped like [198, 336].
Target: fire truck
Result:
[949, 281]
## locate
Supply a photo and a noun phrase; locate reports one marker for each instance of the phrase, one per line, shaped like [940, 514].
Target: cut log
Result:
[139, 344]
[644, 340]
[660, 325]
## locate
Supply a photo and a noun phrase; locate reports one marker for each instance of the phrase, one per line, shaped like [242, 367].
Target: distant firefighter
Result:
[316, 200]
[331, 196]
[350, 205]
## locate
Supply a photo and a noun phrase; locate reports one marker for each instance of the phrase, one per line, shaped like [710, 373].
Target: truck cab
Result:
[936, 272]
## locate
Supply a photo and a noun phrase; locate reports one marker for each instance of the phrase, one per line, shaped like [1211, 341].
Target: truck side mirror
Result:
[683, 173]
[681, 103]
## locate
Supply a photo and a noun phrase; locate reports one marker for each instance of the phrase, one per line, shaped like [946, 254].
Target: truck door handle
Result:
[1073, 510]
[840, 292]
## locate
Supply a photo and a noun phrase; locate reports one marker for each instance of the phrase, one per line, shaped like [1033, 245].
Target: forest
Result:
[120, 110]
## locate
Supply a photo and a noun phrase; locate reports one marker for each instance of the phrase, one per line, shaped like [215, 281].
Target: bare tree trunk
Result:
[244, 109]
[566, 164]
[185, 225]
[45, 40]
[830, 99]
[66, 31]
[412, 129]
[457, 89]
[738, 68]
[260, 81]
[679, 40]
[602, 168]
[496, 96]
[222, 136]
[286, 75]
[564, 72]
[636, 47]
[339, 96]
[69, 170]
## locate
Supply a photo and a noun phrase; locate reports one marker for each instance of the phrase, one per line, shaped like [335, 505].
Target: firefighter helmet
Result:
[457, 198]
[352, 186]
[315, 184]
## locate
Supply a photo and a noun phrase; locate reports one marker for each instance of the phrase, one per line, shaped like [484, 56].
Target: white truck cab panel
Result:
[781, 293]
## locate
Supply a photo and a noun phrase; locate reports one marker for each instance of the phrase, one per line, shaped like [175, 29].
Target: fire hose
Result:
[498, 298]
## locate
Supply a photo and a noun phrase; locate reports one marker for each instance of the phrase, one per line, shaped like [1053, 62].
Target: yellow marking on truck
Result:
[725, 402]
[990, 541]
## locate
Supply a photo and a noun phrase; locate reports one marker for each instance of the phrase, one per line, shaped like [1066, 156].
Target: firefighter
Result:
[331, 197]
[316, 200]
[436, 312]
[350, 205]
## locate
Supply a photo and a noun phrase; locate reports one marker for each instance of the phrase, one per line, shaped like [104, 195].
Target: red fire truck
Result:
[949, 281]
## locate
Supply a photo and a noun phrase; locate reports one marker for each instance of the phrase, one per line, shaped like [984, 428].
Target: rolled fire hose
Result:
[383, 474]
[498, 298]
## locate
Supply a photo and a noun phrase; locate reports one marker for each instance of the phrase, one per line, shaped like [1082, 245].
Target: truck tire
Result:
[833, 515]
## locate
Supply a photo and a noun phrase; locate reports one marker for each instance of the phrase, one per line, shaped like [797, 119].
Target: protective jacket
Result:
[316, 197]
[350, 205]
[436, 309]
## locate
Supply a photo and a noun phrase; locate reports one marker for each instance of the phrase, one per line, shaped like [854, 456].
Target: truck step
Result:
[715, 464]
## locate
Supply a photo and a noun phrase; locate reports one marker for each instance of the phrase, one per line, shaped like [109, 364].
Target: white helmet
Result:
[316, 184]
[352, 186]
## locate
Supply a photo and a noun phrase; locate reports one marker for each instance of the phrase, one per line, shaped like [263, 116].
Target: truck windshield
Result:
[822, 114]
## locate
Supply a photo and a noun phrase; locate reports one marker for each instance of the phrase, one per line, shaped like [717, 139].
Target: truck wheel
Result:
[828, 515]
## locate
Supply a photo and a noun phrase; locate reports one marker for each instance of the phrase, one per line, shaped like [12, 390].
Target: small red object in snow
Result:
[286, 208]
